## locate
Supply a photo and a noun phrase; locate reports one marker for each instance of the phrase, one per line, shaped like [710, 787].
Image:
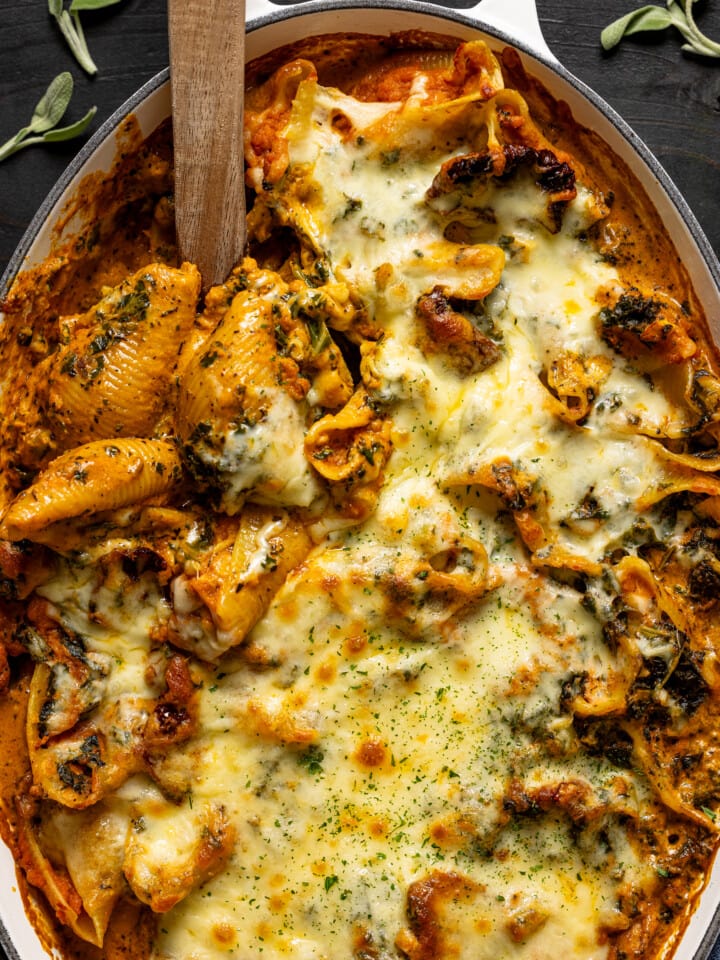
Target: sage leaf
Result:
[78, 5]
[70, 131]
[52, 106]
[697, 41]
[645, 18]
[651, 18]
[50, 109]
[72, 30]
[13, 144]
[658, 18]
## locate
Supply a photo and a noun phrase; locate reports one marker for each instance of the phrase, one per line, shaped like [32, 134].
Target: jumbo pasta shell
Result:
[95, 477]
[125, 349]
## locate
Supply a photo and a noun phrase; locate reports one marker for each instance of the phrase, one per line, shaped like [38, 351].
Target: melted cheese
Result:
[366, 206]
[271, 448]
[378, 742]
[406, 738]
[115, 623]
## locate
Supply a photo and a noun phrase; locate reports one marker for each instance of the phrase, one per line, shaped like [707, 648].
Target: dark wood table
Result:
[670, 98]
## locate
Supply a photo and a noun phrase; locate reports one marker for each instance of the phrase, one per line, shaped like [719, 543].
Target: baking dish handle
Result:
[517, 18]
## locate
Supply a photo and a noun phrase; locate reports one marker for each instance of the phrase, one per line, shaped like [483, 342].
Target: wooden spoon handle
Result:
[207, 64]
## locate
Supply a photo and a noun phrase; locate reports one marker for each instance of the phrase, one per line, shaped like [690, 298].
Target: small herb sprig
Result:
[652, 17]
[47, 114]
[69, 23]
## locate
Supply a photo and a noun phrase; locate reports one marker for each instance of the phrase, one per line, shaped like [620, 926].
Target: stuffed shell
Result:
[248, 390]
[111, 374]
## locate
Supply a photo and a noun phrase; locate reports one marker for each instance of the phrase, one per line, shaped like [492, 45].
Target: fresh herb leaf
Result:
[72, 30]
[71, 27]
[52, 105]
[77, 5]
[72, 130]
[637, 21]
[697, 41]
[48, 112]
[652, 17]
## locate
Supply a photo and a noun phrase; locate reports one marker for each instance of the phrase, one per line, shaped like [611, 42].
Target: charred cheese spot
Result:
[371, 753]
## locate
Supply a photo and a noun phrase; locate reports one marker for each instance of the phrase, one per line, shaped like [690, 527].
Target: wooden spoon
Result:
[207, 73]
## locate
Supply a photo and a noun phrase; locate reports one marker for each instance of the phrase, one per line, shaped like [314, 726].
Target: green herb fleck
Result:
[209, 358]
[351, 205]
[312, 759]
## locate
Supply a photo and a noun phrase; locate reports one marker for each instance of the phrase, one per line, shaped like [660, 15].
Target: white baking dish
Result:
[512, 22]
